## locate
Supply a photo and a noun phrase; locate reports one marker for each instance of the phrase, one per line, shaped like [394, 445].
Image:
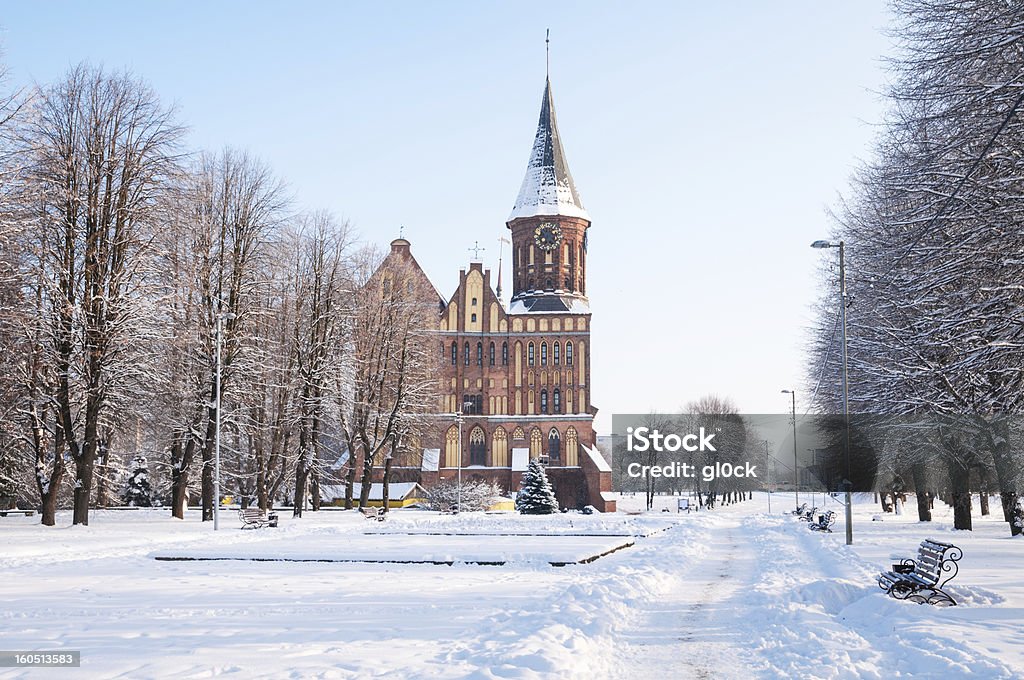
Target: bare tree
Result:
[101, 149]
[233, 205]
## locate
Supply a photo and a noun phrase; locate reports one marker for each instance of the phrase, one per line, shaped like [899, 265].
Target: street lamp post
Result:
[216, 454]
[768, 470]
[458, 491]
[847, 484]
[796, 459]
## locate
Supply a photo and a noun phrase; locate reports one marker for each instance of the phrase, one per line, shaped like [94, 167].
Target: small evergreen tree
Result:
[536, 496]
[138, 493]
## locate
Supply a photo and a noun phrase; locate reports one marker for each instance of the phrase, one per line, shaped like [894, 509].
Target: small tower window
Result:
[466, 353]
[472, 317]
[556, 353]
[529, 355]
[568, 354]
[474, 302]
[490, 356]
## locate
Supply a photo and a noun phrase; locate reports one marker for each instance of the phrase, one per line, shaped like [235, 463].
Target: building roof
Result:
[396, 491]
[548, 188]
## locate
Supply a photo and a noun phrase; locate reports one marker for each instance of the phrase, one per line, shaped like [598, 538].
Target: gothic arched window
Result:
[568, 354]
[529, 355]
[479, 354]
[477, 447]
[554, 446]
[466, 353]
[557, 397]
[543, 354]
[556, 353]
[490, 354]
[504, 354]
[543, 401]
[455, 354]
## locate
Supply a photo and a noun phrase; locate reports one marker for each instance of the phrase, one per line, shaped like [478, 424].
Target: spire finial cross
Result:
[476, 250]
[547, 50]
[401, 231]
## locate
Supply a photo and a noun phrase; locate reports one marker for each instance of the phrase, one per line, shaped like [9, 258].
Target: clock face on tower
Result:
[547, 235]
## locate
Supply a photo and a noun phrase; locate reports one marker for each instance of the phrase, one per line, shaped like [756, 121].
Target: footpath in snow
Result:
[725, 594]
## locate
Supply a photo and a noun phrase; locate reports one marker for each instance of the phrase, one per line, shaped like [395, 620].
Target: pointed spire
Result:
[548, 188]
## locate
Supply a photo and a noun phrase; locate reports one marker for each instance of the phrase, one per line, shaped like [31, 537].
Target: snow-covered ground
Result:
[731, 593]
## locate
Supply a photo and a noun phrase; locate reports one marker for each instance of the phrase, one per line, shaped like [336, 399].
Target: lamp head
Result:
[822, 244]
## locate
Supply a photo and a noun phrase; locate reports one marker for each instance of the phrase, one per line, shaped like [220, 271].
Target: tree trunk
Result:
[102, 471]
[314, 471]
[960, 482]
[181, 461]
[920, 473]
[301, 475]
[207, 455]
[84, 469]
[367, 477]
[984, 501]
[48, 511]
[385, 498]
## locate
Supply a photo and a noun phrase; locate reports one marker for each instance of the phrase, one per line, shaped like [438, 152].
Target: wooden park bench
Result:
[921, 580]
[823, 523]
[809, 515]
[27, 513]
[254, 518]
[373, 513]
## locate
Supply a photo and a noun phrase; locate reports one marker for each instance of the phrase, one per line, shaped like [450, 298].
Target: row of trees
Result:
[934, 231]
[717, 416]
[123, 253]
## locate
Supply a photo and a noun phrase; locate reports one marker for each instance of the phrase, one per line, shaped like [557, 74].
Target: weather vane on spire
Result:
[547, 50]
[401, 231]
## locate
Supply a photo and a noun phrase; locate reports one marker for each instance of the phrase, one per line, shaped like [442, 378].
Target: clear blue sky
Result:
[707, 140]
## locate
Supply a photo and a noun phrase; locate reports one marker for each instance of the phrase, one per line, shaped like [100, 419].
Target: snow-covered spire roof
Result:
[548, 188]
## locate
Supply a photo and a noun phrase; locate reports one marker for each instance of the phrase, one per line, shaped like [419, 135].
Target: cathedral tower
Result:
[549, 227]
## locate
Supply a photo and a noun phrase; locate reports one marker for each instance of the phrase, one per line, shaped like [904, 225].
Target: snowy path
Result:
[693, 631]
[734, 593]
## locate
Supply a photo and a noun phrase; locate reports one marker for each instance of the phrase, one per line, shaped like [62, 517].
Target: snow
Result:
[396, 491]
[548, 188]
[577, 305]
[731, 593]
[597, 458]
[431, 460]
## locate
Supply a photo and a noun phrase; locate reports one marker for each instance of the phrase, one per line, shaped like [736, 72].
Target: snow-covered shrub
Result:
[9, 485]
[476, 495]
[536, 496]
[138, 492]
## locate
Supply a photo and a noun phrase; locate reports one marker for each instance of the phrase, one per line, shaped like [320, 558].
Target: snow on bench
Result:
[823, 523]
[27, 513]
[254, 518]
[921, 580]
[373, 513]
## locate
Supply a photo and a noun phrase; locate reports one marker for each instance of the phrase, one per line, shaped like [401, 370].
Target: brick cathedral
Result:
[520, 375]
